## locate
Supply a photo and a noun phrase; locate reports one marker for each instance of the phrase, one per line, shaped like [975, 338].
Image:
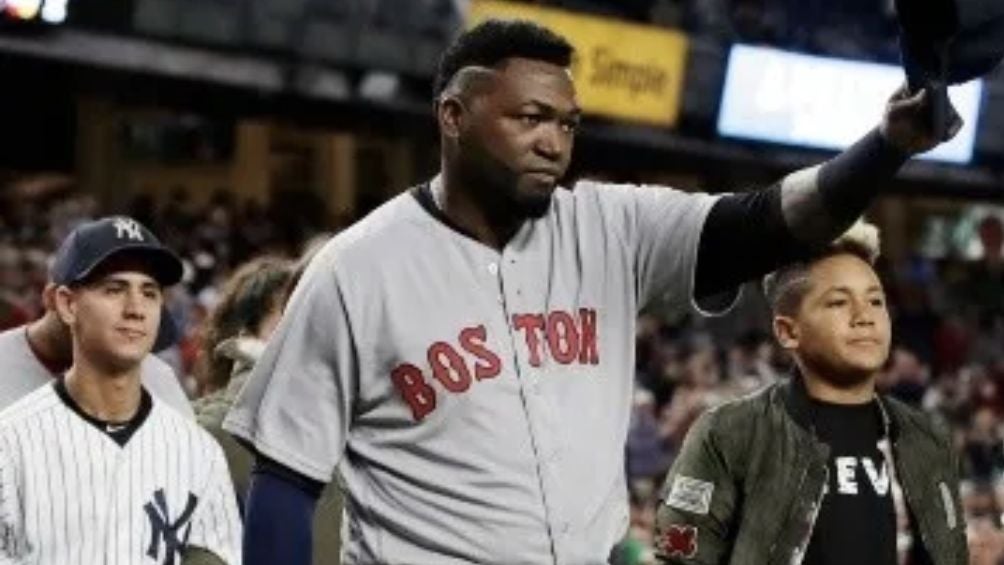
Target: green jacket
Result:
[747, 484]
[210, 411]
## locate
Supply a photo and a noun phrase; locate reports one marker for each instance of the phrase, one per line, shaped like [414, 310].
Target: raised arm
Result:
[750, 234]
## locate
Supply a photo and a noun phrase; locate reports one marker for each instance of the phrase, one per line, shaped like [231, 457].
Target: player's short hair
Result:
[786, 287]
[492, 42]
[254, 290]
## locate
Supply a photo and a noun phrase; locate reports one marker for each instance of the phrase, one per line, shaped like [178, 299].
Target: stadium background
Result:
[238, 127]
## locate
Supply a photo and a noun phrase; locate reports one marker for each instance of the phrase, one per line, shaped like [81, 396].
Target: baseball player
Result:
[33, 354]
[462, 356]
[94, 468]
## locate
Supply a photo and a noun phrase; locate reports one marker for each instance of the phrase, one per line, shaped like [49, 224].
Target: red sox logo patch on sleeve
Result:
[678, 541]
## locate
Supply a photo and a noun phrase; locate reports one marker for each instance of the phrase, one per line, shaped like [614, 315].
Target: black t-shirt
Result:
[857, 520]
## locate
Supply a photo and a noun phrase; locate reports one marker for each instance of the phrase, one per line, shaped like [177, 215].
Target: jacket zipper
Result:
[773, 546]
[901, 479]
[921, 523]
[799, 553]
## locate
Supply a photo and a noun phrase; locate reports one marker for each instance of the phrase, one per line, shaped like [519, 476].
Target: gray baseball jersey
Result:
[475, 403]
[21, 372]
[69, 493]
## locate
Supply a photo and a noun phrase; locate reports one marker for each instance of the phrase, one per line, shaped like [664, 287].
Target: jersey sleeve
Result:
[13, 540]
[661, 228]
[216, 524]
[296, 406]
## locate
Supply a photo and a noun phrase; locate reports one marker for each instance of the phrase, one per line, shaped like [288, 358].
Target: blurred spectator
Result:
[986, 542]
[983, 287]
[233, 340]
[750, 362]
[915, 322]
[979, 500]
[236, 332]
[951, 343]
[636, 548]
[647, 455]
[248, 310]
[698, 391]
[984, 448]
[907, 377]
[13, 309]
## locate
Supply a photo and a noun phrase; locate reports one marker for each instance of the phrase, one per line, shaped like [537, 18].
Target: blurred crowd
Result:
[213, 237]
[947, 359]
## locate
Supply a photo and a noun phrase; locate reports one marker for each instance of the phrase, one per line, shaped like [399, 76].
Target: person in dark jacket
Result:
[820, 469]
[236, 332]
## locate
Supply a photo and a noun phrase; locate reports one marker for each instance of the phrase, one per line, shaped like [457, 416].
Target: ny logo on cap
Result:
[128, 228]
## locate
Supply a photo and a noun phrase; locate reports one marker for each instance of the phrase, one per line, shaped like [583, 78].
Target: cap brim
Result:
[165, 266]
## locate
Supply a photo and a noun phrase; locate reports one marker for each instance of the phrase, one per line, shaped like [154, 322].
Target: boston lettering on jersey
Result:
[567, 338]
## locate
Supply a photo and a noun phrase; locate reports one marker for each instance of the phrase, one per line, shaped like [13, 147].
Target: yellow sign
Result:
[626, 71]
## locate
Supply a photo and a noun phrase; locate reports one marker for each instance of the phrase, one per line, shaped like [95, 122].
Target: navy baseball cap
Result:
[946, 42]
[91, 244]
[954, 41]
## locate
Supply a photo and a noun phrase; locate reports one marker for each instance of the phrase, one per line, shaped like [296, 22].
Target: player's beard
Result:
[504, 195]
[530, 202]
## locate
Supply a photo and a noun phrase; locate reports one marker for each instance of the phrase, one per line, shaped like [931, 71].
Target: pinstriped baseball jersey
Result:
[475, 402]
[21, 372]
[71, 494]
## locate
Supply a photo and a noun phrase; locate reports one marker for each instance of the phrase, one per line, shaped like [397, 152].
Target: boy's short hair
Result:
[786, 287]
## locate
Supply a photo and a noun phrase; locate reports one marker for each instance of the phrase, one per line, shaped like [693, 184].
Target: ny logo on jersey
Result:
[126, 228]
[164, 530]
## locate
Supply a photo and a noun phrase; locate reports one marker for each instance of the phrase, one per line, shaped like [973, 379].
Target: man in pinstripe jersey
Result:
[32, 354]
[94, 468]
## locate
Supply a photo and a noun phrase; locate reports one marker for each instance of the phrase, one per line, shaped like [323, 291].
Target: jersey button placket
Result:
[535, 405]
[493, 271]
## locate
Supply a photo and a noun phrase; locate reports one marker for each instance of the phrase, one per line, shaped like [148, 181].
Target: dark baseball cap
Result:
[90, 244]
[954, 41]
[946, 42]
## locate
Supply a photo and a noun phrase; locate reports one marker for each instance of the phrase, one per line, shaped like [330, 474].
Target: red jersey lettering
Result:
[532, 325]
[472, 340]
[449, 367]
[562, 337]
[421, 398]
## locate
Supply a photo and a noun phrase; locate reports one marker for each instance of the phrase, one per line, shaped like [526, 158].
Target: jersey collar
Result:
[120, 432]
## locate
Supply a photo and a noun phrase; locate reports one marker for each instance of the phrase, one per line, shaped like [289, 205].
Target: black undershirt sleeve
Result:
[850, 180]
[744, 236]
[750, 234]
